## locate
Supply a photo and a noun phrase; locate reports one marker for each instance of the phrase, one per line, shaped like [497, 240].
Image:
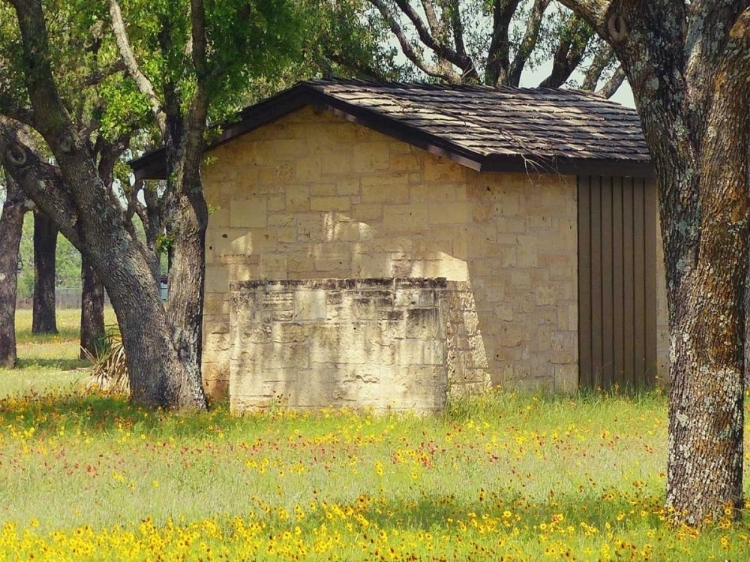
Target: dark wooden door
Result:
[616, 282]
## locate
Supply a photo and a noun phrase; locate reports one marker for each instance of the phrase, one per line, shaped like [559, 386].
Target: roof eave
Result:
[567, 166]
[153, 164]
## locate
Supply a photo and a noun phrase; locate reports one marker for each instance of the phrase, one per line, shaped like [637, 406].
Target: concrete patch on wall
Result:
[389, 344]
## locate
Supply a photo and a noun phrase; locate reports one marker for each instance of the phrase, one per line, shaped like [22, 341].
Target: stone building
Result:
[387, 245]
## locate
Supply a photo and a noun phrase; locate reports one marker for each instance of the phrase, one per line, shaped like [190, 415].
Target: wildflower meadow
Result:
[504, 476]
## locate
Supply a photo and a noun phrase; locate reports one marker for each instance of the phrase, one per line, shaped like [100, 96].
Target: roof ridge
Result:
[482, 127]
[588, 94]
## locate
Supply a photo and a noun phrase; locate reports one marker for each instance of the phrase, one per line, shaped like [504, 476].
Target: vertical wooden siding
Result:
[616, 282]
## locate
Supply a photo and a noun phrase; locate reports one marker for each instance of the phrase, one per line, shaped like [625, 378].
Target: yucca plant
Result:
[108, 370]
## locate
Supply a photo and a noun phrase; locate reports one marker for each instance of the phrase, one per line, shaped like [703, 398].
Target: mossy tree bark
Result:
[44, 319]
[11, 227]
[73, 194]
[689, 67]
[92, 309]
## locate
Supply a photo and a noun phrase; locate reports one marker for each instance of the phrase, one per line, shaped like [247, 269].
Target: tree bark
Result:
[74, 195]
[92, 309]
[689, 66]
[187, 214]
[11, 227]
[45, 249]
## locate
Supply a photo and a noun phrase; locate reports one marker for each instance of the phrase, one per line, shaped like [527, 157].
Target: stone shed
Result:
[387, 245]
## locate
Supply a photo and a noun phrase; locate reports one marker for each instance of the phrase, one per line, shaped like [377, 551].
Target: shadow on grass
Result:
[92, 412]
[24, 336]
[505, 511]
[61, 364]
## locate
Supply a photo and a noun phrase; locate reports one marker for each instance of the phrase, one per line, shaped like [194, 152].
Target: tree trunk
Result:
[91, 217]
[11, 227]
[707, 323]
[185, 302]
[187, 219]
[45, 248]
[92, 309]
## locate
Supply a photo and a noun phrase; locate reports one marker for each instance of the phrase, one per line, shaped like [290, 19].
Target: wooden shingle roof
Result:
[488, 129]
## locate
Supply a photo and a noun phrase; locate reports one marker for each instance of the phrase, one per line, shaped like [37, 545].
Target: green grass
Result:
[86, 476]
[47, 361]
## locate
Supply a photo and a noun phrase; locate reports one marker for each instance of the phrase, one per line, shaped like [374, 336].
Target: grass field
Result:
[502, 477]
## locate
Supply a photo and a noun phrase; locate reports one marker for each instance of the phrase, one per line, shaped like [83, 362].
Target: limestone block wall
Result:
[379, 343]
[313, 196]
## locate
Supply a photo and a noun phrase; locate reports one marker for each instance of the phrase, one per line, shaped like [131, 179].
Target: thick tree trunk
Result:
[187, 214]
[186, 287]
[707, 324]
[45, 248]
[91, 218]
[92, 309]
[11, 227]
[689, 66]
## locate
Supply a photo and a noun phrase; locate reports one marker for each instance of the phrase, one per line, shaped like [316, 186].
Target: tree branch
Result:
[602, 59]
[10, 107]
[528, 43]
[41, 181]
[432, 21]
[442, 51]
[613, 84]
[96, 78]
[575, 36]
[708, 33]
[126, 52]
[498, 55]
[408, 49]
[457, 25]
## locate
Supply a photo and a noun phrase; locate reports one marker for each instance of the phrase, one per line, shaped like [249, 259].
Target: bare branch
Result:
[498, 56]
[442, 51]
[575, 36]
[602, 59]
[528, 43]
[408, 49]
[613, 84]
[126, 52]
[432, 21]
[457, 24]
[96, 78]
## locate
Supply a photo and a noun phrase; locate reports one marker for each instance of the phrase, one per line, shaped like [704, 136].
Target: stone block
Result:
[437, 193]
[438, 170]
[248, 213]
[385, 189]
[307, 170]
[310, 305]
[450, 213]
[326, 204]
[218, 217]
[297, 198]
[325, 188]
[337, 163]
[282, 220]
[371, 157]
[273, 266]
[400, 218]
[281, 174]
[348, 186]
[217, 280]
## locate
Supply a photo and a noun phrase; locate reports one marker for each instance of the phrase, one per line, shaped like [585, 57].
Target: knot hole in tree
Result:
[66, 143]
[617, 28]
[17, 156]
